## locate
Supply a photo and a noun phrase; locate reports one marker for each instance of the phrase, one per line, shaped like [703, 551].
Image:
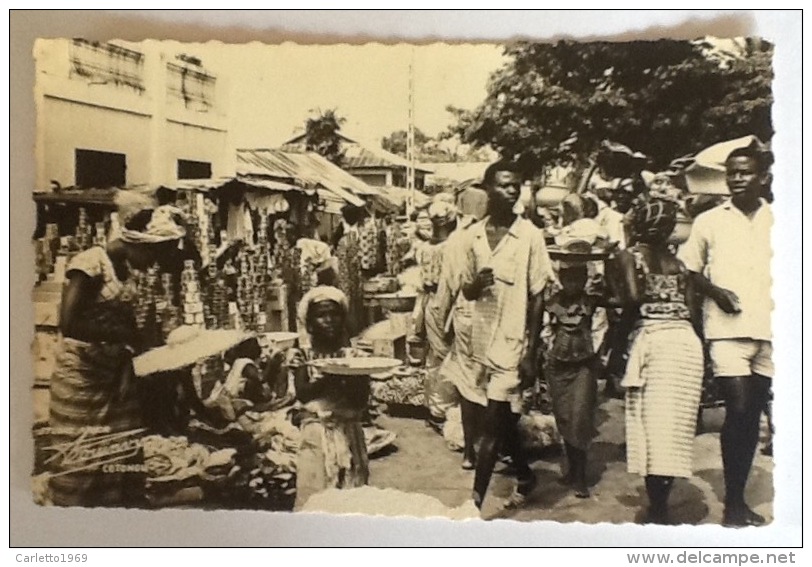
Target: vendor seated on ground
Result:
[248, 386]
[332, 451]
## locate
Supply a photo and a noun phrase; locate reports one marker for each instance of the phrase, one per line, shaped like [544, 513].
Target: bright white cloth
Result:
[733, 251]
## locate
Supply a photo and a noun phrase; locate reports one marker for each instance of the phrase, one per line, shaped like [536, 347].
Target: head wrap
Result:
[442, 208]
[316, 295]
[654, 220]
[161, 228]
[572, 208]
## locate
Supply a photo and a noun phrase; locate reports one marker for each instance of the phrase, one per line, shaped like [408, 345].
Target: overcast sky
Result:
[274, 88]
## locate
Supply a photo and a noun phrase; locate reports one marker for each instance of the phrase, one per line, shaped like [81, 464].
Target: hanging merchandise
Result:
[394, 256]
[368, 242]
[281, 247]
[84, 231]
[100, 238]
[147, 319]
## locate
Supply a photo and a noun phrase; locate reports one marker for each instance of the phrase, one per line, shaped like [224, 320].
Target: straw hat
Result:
[184, 346]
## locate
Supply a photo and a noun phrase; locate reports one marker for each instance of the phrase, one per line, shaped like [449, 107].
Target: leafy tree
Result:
[322, 135]
[396, 141]
[552, 104]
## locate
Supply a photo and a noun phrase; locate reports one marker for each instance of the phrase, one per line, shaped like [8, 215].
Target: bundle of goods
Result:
[381, 284]
[147, 319]
[538, 431]
[403, 386]
[252, 288]
[218, 306]
[84, 231]
[178, 471]
[261, 481]
[281, 250]
[191, 296]
[47, 249]
[167, 312]
[369, 500]
[397, 245]
[100, 238]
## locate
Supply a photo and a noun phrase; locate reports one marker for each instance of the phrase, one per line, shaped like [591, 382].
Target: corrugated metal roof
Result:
[360, 157]
[306, 169]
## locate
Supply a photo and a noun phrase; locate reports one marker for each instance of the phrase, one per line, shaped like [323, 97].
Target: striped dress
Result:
[93, 419]
[663, 381]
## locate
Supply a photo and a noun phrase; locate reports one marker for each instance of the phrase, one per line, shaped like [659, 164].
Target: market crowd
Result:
[633, 280]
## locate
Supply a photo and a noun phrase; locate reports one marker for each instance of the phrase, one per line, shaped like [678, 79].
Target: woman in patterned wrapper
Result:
[663, 378]
[332, 450]
[92, 385]
[357, 252]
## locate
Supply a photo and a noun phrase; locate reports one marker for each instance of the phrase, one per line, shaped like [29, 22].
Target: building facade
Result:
[126, 114]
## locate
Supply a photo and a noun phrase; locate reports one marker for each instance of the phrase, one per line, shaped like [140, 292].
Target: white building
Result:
[125, 114]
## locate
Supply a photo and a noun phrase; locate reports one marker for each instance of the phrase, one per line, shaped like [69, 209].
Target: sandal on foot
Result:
[515, 500]
[742, 517]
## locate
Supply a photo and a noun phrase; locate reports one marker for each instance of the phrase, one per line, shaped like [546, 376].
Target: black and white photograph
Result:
[527, 280]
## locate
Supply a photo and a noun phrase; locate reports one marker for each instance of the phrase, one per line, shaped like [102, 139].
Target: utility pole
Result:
[410, 185]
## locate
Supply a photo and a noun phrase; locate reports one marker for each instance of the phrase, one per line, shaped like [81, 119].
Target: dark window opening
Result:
[96, 169]
[188, 169]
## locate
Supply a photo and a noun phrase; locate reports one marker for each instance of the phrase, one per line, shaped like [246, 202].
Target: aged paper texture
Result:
[498, 280]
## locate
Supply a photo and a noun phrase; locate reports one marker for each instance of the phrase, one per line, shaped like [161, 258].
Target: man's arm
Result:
[694, 254]
[539, 275]
[727, 300]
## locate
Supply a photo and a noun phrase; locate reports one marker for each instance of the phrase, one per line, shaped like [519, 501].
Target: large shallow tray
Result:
[355, 366]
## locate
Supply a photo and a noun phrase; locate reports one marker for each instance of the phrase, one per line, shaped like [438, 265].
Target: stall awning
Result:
[111, 197]
[250, 182]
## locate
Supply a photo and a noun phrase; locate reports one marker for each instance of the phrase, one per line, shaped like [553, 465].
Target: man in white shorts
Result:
[729, 255]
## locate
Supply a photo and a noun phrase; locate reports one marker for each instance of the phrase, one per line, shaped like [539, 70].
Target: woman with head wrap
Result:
[332, 451]
[435, 306]
[663, 377]
[92, 385]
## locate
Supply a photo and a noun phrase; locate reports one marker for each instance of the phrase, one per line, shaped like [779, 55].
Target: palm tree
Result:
[321, 135]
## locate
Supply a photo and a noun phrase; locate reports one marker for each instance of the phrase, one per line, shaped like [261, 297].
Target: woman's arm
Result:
[624, 283]
[305, 389]
[74, 299]
[693, 299]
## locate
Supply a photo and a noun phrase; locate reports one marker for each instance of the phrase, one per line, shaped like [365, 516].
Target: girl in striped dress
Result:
[665, 361]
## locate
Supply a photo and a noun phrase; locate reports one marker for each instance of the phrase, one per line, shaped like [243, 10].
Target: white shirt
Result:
[733, 251]
[612, 222]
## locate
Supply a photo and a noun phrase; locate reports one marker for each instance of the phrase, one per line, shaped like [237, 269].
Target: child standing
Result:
[332, 450]
[570, 371]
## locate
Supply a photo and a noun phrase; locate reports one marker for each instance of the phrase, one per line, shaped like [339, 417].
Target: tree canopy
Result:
[322, 135]
[552, 104]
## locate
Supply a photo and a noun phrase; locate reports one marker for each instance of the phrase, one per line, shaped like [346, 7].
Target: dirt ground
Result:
[422, 463]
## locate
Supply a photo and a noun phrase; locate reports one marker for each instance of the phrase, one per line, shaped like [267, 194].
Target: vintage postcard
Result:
[527, 280]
